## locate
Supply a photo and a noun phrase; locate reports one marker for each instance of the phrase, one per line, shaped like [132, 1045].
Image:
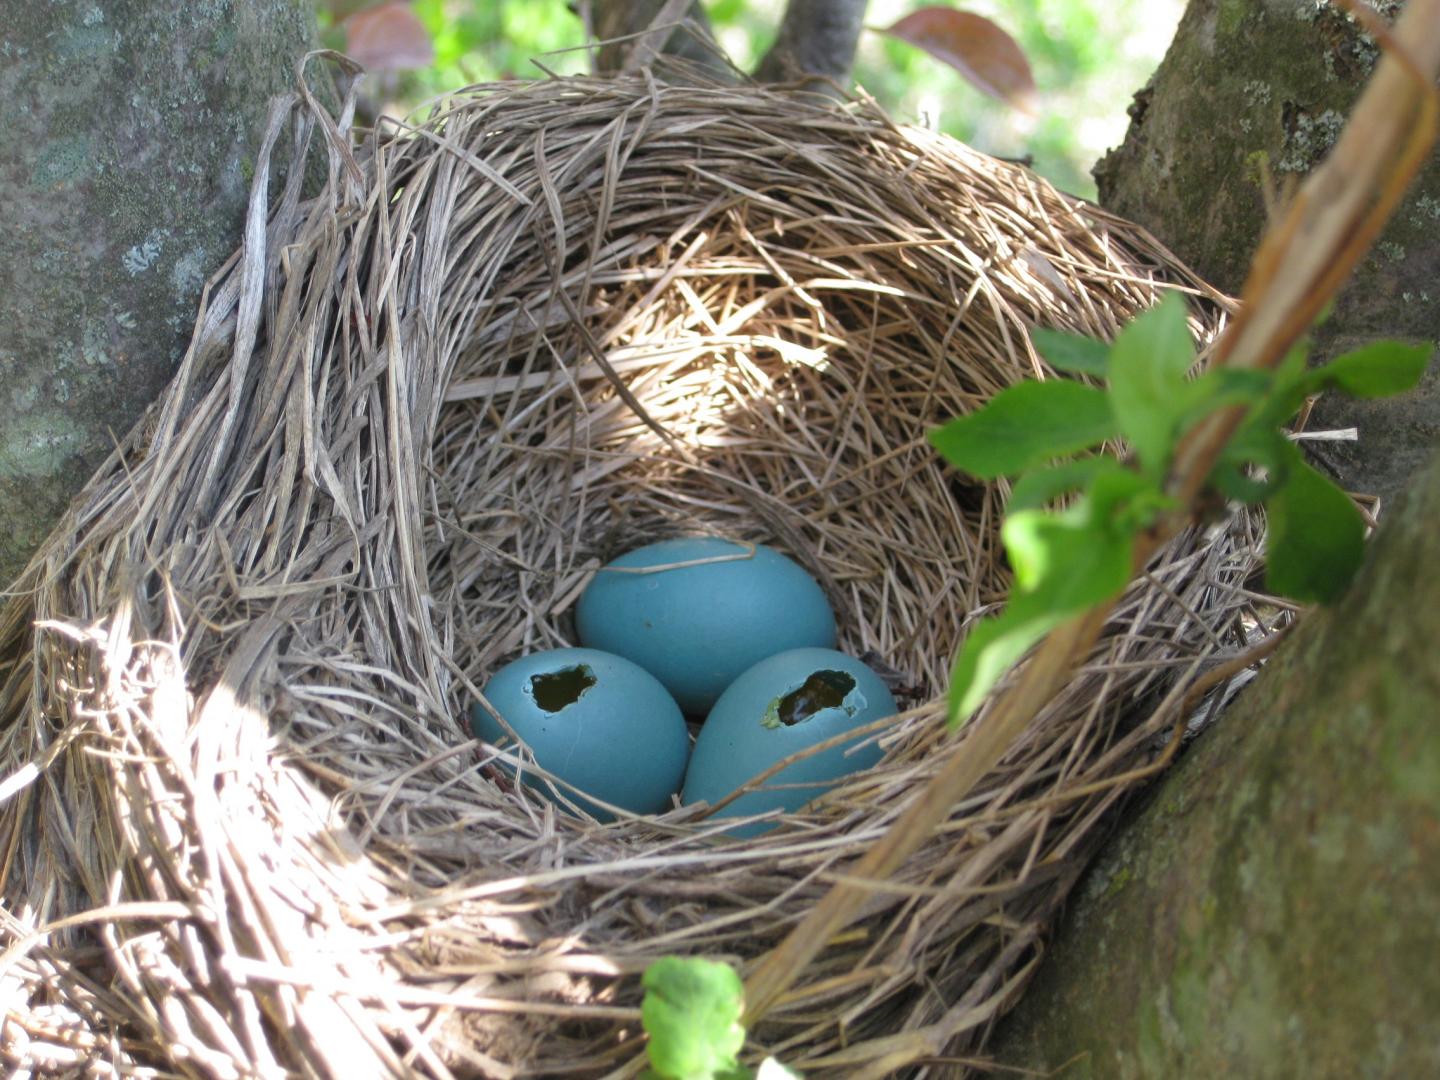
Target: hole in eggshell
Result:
[553, 690]
[822, 690]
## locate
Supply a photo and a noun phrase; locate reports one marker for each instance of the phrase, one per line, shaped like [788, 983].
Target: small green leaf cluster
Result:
[691, 1011]
[1075, 514]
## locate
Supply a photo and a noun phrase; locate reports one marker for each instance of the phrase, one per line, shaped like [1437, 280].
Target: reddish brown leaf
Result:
[340, 10]
[388, 37]
[974, 46]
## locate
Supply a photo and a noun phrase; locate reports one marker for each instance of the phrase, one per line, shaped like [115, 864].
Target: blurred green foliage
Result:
[488, 40]
[1089, 58]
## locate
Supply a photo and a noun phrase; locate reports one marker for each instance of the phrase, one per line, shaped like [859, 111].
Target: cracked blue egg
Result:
[697, 627]
[594, 720]
[776, 708]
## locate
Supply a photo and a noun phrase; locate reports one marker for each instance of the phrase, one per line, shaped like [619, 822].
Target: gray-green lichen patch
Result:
[1241, 80]
[1257, 93]
[187, 277]
[1426, 210]
[95, 344]
[123, 161]
[1389, 249]
[62, 160]
[32, 445]
[87, 41]
[1308, 138]
[143, 255]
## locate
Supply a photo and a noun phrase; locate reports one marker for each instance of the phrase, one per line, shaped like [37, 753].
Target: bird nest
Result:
[245, 826]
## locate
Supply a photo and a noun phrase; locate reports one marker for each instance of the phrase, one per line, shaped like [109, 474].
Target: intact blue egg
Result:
[778, 707]
[596, 721]
[697, 627]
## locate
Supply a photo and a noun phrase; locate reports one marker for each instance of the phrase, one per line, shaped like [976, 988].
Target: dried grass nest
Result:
[245, 829]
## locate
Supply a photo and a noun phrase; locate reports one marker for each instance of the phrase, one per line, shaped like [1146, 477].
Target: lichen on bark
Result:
[130, 129]
[1250, 89]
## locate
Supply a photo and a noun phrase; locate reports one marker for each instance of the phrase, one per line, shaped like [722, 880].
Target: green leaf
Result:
[1317, 537]
[1377, 370]
[1037, 489]
[692, 1012]
[1294, 363]
[1258, 445]
[1288, 391]
[1057, 556]
[1124, 502]
[1386, 367]
[1024, 426]
[991, 649]
[1232, 481]
[1220, 388]
[1148, 364]
[1072, 352]
[1064, 563]
[1265, 447]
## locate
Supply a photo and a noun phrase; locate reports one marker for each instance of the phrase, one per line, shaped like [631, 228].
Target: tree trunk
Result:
[817, 40]
[1275, 909]
[815, 43]
[616, 24]
[125, 159]
[1253, 88]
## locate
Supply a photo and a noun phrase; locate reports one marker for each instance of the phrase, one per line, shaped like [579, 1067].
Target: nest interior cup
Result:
[557, 321]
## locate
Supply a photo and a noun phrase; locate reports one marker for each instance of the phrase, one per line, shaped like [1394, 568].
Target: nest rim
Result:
[346, 354]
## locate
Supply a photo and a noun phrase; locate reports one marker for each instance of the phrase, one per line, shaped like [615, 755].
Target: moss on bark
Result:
[1275, 909]
[125, 159]
[1252, 87]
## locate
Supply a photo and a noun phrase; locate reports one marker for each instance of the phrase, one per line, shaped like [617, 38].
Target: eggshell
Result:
[595, 720]
[776, 708]
[696, 628]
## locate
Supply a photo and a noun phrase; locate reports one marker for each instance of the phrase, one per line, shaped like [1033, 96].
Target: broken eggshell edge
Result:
[747, 732]
[601, 723]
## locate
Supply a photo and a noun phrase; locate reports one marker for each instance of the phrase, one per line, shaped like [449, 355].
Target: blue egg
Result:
[594, 720]
[697, 627]
[778, 707]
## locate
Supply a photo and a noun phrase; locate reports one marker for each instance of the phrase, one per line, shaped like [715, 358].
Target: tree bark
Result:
[815, 44]
[1275, 909]
[617, 22]
[1254, 88]
[817, 40]
[125, 159]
